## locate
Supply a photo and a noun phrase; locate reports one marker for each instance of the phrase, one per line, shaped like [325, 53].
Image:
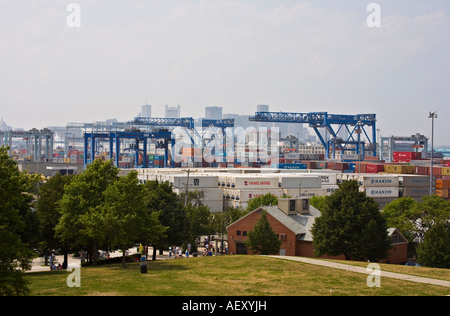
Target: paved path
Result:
[347, 267]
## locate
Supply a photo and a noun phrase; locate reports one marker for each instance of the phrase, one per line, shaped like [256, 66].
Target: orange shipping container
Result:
[442, 184]
[442, 193]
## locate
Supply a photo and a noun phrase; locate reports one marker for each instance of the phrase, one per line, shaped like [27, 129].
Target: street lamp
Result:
[432, 116]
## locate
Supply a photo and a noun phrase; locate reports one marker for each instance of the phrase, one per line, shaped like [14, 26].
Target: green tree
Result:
[47, 209]
[15, 203]
[350, 224]
[431, 210]
[402, 214]
[125, 215]
[199, 216]
[81, 223]
[266, 199]
[318, 202]
[172, 214]
[261, 239]
[434, 251]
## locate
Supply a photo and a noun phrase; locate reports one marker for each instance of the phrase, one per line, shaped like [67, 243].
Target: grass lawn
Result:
[223, 276]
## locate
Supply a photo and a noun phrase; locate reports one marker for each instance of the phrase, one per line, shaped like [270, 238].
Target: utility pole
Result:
[187, 188]
[432, 115]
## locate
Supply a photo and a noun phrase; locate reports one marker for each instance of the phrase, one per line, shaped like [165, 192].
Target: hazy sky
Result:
[295, 56]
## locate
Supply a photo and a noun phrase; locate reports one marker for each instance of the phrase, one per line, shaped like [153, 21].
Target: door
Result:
[241, 249]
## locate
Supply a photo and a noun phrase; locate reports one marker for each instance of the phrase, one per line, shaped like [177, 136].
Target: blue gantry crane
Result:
[355, 125]
[114, 132]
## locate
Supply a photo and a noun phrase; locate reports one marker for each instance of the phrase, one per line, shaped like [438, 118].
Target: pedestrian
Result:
[187, 253]
[170, 252]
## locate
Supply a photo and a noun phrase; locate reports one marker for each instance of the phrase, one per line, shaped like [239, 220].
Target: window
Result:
[282, 237]
[305, 204]
[238, 233]
[291, 205]
[244, 233]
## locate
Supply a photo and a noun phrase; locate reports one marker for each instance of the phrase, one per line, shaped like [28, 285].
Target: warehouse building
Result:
[292, 221]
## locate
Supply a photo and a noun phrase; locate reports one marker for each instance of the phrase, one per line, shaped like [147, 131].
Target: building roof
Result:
[299, 224]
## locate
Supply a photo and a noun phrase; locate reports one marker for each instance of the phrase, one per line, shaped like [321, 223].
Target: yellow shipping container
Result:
[442, 193]
[445, 171]
[399, 169]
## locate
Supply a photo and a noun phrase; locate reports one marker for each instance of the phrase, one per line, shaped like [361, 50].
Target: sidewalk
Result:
[37, 265]
[400, 276]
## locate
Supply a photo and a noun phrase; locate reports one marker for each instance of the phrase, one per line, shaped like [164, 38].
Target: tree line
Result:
[352, 224]
[96, 209]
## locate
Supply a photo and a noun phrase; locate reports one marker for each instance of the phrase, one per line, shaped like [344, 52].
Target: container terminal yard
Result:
[232, 165]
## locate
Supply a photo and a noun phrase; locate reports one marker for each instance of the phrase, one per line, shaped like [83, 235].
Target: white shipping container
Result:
[328, 178]
[305, 193]
[295, 182]
[414, 181]
[210, 194]
[380, 191]
[382, 202]
[330, 188]
[378, 181]
[195, 181]
[414, 191]
[246, 182]
[215, 206]
[245, 195]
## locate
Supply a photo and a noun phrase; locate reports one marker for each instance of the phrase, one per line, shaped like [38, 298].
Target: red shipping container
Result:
[374, 168]
[421, 170]
[405, 156]
[360, 167]
[437, 171]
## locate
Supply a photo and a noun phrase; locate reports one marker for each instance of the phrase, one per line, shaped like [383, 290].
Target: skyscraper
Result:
[146, 110]
[213, 112]
[172, 111]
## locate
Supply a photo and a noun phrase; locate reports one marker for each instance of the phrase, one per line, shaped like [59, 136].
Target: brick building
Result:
[292, 221]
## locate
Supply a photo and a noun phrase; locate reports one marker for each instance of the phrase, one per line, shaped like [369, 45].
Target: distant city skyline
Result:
[110, 58]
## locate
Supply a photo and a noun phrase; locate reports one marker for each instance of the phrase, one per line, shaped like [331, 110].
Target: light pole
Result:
[432, 116]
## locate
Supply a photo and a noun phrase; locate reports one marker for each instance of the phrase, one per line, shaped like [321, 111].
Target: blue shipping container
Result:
[289, 165]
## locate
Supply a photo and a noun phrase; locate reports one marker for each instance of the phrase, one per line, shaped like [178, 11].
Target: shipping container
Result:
[326, 178]
[245, 195]
[330, 188]
[210, 194]
[374, 168]
[442, 184]
[414, 181]
[294, 182]
[288, 166]
[195, 181]
[378, 181]
[399, 169]
[414, 191]
[405, 156]
[380, 191]
[444, 193]
[421, 170]
[445, 171]
[305, 193]
[382, 202]
[245, 181]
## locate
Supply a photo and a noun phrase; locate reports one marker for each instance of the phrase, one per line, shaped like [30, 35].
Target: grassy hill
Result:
[227, 276]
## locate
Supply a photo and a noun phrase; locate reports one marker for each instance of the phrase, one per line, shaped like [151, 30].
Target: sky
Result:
[296, 56]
